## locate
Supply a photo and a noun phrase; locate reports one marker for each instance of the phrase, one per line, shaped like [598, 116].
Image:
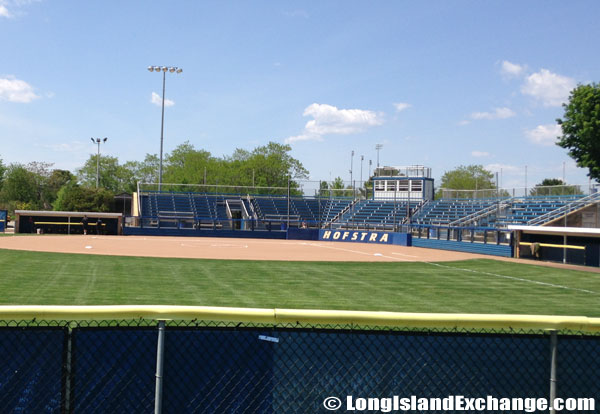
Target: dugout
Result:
[573, 245]
[66, 222]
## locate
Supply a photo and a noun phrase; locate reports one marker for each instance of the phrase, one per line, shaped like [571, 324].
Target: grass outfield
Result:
[473, 286]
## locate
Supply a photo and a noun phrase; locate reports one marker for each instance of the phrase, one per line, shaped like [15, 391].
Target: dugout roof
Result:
[558, 231]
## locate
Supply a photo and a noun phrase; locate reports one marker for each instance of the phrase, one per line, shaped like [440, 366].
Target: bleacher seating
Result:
[445, 211]
[375, 213]
[522, 210]
[339, 212]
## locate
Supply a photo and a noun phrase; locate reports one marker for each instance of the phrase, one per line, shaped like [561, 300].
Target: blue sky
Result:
[438, 83]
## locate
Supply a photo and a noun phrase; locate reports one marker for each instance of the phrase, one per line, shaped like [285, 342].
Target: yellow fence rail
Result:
[299, 316]
[562, 246]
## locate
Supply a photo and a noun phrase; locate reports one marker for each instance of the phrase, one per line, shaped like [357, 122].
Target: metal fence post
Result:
[160, 348]
[68, 370]
[553, 362]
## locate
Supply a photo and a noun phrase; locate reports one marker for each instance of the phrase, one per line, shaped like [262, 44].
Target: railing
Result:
[484, 235]
[566, 209]
[481, 213]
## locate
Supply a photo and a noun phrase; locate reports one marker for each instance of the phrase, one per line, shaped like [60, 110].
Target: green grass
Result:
[474, 286]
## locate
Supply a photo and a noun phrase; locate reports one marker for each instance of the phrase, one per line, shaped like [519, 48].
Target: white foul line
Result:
[515, 278]
[467, 270]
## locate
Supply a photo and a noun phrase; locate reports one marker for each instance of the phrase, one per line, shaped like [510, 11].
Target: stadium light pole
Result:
[362, 158]
[164, 70]
[378, 147]
[98, 141]
[351, 165]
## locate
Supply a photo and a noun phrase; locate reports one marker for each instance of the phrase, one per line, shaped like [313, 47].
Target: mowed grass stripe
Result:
[78, 279]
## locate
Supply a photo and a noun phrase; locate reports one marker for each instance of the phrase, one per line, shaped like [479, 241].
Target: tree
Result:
[112, 176]
[20, 188]
[2, 171]
[470, 177]
[266, 166]
[554, 186]
[581, 128]
[73, 197]
[186, 165]
[338, 189]
[143, 171]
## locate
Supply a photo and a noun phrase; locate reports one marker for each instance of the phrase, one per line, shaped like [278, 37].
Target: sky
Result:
[437, 83]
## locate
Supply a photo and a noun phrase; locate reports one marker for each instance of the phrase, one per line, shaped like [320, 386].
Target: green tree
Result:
[112, 176]
[266, 166]
[339, 189]
[186, 165]
[581, 128]
[145, 171]
[56, 180]
[73, 197]
[20, 188]
[469, 177]
[41, 175]
[2, 172]
[554, 186]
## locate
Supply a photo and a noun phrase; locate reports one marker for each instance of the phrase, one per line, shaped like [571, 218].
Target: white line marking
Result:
[537, 282]
[239, 246]
[357, 252]
[406, 255]
[88, 247]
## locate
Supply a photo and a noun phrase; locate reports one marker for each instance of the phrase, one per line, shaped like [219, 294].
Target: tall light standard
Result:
[351, 165]
[378, 147]
[98, 141]
[362, 158]
[164, 70]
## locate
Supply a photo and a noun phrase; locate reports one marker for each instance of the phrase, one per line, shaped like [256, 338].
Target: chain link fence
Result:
[227, 367]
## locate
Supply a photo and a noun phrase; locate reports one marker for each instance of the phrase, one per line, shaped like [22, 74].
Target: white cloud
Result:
[401, 106]
[480, 154]
[544, 134]
[16, 90]
[464, 122]
[505, 168]
[499, 113]
[329, 120]
[511, 70]
[549, 88]
[157, 100]
[4, 12]
[73, 146]
[14, 8]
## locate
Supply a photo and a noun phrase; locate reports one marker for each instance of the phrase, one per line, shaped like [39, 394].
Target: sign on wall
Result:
[358, 236]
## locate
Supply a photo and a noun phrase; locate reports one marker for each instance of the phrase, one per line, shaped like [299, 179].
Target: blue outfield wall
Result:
[357, 236]
[302, 234]
[461, 246]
